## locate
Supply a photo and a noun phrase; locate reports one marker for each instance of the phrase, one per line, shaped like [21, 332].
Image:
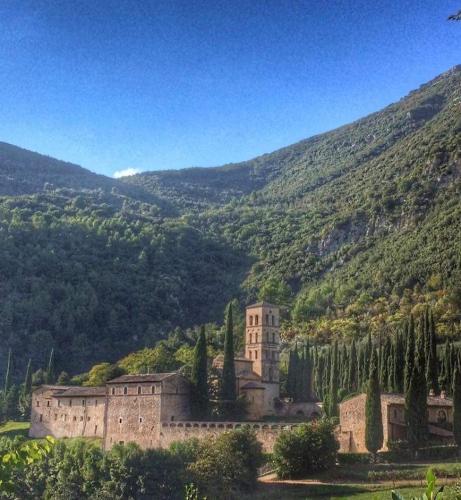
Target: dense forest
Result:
[351, 230]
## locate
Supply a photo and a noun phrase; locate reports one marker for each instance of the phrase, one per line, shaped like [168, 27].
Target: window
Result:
[95, 429]
[88, 419]
[441, 417]
[251, 320]
[256, 354]
[75, 418]
[95, 402]
[172, 418]
[273, 337]
[139, 389]
[140, 420]
[251, 354]
[256, 341]
[153, 389]
[125, 390]
[113, 391]
[83, 402]
[70, 402]
[38, 403]
[251, 338]
[59, 402]
[48, 403]
[120, 420]
[256, 320]
[41, 417]
[273, 320]
[267, 319]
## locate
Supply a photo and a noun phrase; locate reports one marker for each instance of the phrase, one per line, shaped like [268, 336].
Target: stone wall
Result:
[266, 433]
[66, 417]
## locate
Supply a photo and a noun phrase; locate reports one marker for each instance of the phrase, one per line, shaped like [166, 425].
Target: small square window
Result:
[140, 420]
[120, 420]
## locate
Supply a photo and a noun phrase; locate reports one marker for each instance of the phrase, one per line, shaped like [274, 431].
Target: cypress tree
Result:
[416, 398]
[50, 374]
[457, 406]
[390, 371]
[449, 366]
[292, 373]
[409, 353]
[228, 377]
[443, 375]
[199, 378]
[361, 374]
[431, 356]
[334, 375]
[27, 389]
[352, 371]
[373, 417]
[327, 372]
[7, 383]
[399, 363]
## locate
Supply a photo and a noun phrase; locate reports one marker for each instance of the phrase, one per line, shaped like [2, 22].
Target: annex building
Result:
[153, 410]
[351, 430]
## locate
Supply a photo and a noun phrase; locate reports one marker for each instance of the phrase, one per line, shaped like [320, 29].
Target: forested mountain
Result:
[353, 224]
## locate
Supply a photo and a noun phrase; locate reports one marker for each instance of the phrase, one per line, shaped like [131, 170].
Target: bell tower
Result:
[262, 340]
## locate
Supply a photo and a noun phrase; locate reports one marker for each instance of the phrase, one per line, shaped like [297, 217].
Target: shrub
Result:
[228, 464]
[307, 449]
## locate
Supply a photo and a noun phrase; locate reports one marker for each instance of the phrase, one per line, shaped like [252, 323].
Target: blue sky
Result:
[113, 85]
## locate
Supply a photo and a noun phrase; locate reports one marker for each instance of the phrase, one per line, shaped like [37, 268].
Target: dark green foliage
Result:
[199, 378]
[457, 406]
[416, 398]
[227, 465]
[409, 353]
[373, 417]
[306, 450]
[7, 382]
[432, 375]
[333, 410]
[50, 370]
[352, 382]
[228, 376]
[399, 364]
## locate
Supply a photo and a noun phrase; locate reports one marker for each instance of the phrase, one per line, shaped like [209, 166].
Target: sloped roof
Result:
[253, 385]
[82, 392]
[147, 377]
[399, 399]
[262, 304]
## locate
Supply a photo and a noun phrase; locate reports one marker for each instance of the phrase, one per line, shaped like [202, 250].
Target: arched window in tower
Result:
[267, 319]
[251, 338]
[273, 337]
[256, 320]
[256, 335]
[273, 320]
[125, 390]
[256, 354]
[251, 320]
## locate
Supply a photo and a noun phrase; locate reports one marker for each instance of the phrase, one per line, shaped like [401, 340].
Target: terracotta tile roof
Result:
[147, 377]
[262, 304]
[399, 399]
[82, 392]
[253, 385]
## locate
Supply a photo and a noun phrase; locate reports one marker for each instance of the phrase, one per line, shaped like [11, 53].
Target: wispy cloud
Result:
[126, 172]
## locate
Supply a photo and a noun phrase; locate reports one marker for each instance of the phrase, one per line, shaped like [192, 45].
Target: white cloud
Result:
[126, 172]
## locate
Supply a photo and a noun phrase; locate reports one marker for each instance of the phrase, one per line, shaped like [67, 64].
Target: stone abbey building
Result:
[153, 410]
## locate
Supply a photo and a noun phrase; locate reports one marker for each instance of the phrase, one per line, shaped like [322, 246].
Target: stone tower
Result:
[262, 341]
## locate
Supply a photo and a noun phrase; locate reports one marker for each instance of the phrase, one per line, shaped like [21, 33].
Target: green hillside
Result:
[366, 214]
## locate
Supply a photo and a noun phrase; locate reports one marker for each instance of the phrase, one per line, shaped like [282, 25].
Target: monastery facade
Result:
[153, 410]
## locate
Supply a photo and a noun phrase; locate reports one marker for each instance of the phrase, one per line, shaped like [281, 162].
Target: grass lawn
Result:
[361, 482]
[12, 429]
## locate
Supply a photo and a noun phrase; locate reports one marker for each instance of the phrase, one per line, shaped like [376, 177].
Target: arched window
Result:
[153, 389]
[251, 320]
[125, 390]
[256, 354]
[273, 320]
[139, 389]
[251, 338]
[267, 319]
[256, 320]
[256, 337]
[113, 391]
[273, 337]
[251, 354]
